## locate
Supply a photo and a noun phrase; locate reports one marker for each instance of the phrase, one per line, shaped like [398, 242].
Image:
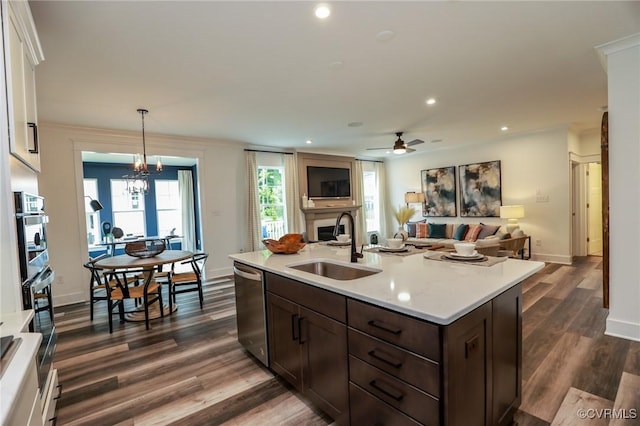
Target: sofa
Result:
[447, 234]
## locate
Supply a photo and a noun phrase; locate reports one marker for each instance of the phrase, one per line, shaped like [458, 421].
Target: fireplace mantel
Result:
[312, 214]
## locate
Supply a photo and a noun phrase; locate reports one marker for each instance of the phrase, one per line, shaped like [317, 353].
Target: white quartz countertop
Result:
[432, 290]
[15, 322]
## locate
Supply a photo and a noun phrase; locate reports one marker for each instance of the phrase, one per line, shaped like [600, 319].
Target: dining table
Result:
[150, 265]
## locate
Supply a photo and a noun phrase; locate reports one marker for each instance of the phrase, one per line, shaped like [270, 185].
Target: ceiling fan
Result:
[400, 147]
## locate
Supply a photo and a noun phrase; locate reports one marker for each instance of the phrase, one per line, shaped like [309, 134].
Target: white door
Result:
[595, 209]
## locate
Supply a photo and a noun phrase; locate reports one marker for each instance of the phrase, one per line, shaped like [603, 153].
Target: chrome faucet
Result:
[352, 227]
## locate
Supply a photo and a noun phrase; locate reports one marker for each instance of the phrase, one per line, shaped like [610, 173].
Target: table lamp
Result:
[95, 204]
[512, 214]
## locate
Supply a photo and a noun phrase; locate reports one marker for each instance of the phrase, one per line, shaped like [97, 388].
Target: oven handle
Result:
[38, 285]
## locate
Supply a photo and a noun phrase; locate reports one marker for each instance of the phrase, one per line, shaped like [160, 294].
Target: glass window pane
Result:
[272, 201]
[92, 218]
[167, 220]
[131, 222]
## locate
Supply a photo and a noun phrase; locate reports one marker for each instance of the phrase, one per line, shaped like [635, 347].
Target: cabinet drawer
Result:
[369, 410]
[53, 393]
[402, 396]
[418, 336]
[420, 372]
[325, 302]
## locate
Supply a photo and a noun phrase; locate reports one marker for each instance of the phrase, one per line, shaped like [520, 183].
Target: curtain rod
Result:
[370, 161]
[269, 152]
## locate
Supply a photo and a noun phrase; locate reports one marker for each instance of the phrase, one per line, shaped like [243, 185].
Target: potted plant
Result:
[402, 215]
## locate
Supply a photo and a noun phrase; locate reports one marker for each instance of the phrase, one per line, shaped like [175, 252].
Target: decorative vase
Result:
[401, 233]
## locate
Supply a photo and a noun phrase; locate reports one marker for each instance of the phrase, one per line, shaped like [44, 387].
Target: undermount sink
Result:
[334, 270]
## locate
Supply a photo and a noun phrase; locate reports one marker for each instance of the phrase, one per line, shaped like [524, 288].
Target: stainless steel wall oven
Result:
[37, 275]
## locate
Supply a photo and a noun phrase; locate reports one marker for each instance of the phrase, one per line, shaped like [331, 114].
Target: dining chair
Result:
[96, 284]
[184, 282]
[127, 284]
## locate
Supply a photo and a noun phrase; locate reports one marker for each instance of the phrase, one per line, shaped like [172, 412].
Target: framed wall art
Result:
[439, 189]
[480, 189]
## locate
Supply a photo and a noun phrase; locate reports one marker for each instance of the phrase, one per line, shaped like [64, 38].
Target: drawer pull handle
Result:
[382, 326]
[295, 327]
[389, 392]
[300, 328]
[54, 420]
[391, 362]
[59, 387]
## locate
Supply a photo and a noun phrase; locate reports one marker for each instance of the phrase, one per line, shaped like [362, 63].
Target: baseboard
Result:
[69, 299]
[552, 258]
[623, 329]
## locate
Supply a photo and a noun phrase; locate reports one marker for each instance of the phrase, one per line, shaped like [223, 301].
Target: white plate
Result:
[338, 243]
[393, 249]
[454, 256]
[464, 256]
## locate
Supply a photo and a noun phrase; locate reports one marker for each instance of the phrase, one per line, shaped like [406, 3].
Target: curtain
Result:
[292, 195]
[382, 197]
[185, 188]
[254, 228]
[358, 196]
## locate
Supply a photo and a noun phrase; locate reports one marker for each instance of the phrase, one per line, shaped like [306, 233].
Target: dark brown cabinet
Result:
[364, 364]
[308, 347]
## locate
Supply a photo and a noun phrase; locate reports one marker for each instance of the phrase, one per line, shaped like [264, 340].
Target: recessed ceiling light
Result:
[504, 128]
[430, 101]
[385, 35]
[322, 11]
[355, 124]
[309, 141]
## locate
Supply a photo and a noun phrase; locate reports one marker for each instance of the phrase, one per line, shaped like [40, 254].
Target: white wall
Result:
[221, 185]
[623, 63]
[533, 166]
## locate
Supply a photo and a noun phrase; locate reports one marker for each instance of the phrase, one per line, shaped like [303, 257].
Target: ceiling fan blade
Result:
[373, 149]
[410, 150]
[415, 142]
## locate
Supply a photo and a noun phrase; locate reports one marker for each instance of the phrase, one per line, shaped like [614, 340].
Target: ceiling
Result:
[272, 74]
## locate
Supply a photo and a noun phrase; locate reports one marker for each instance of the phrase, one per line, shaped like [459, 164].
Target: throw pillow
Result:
[460, 232]
[517, 233]
[411, 227]
[503, 235]
[473, 232]
[488, 230]
[448, 233]
[422, 230]
[437, 230]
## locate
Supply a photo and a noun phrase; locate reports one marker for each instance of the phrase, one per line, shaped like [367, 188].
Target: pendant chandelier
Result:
[138, 181]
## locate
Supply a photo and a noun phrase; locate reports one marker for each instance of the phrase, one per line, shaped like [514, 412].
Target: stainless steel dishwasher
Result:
[251, 312]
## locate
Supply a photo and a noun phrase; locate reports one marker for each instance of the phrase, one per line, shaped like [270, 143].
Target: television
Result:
[328, 182]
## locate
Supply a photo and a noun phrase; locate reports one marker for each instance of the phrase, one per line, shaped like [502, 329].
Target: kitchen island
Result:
[418, 341]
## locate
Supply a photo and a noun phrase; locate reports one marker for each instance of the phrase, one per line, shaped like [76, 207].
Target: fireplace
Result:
[325, 233]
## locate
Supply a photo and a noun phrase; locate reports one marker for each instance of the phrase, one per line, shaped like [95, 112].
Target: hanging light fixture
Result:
[138, 182]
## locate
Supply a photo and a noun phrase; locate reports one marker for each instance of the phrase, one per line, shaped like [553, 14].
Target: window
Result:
[169, 207]
[128, 209]
[371, 200]
[92, 218]
[272, 201]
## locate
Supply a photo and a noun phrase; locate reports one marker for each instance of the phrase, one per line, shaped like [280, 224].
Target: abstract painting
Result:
[480, 189]
[439, 189]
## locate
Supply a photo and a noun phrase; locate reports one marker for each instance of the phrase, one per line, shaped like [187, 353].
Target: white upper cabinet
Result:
[22, 53]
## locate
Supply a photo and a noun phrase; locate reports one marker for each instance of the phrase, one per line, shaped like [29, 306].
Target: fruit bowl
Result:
[144, 249]
[288, 244]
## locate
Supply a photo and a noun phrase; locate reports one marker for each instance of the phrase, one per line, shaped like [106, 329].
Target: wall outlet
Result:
[538, 243]
[59, 280]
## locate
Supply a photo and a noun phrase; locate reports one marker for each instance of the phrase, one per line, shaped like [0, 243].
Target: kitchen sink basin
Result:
[335, 271]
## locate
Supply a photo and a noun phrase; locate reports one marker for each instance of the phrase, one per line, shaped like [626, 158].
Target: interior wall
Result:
[623, 69]
[535, 173]
[221, 185]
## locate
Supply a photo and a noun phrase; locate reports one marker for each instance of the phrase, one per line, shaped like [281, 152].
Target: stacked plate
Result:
[475, 256]
[393, 249]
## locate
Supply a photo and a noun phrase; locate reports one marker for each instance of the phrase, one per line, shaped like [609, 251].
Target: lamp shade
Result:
[414, 197]
[95, 205]
[512, 212]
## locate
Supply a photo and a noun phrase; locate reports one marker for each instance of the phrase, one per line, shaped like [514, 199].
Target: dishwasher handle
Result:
[253, 276]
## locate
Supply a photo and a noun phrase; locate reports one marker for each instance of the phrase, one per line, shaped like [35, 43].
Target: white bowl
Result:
[465, 249]
[343, 238]
[394, 243]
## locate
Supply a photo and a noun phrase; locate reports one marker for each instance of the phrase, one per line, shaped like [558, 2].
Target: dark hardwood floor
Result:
[190, 370]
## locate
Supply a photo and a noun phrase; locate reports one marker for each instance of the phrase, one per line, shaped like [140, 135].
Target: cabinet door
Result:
[22, 106]
[285, 349]
[325, 366]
